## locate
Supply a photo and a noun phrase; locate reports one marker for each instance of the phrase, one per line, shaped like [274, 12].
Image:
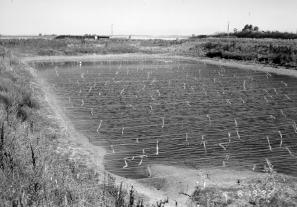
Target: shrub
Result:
[281, 53]
[209, 196]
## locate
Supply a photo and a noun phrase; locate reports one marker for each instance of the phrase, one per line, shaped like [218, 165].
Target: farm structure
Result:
[82, 37]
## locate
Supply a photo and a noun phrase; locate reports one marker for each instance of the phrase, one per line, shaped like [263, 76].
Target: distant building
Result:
[82, 37]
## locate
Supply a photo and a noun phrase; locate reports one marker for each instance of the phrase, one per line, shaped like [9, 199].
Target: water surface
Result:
[179, 112]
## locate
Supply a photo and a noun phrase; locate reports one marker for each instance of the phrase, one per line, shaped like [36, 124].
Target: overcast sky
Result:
[151, 17]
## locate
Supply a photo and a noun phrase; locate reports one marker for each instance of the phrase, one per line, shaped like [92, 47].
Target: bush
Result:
[209, 196]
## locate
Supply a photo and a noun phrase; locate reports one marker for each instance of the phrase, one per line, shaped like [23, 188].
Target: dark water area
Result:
[180, 113]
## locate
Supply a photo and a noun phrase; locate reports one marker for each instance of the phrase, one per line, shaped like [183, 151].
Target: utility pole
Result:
[111, 29]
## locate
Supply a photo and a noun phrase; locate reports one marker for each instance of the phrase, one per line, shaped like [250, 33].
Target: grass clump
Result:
[271, 190]
[209, 196]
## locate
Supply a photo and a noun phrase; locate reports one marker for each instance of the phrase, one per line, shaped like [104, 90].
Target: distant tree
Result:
[250, 28]
[246, 28]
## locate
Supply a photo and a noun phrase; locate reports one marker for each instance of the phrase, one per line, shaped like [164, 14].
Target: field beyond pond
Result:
[179, 112]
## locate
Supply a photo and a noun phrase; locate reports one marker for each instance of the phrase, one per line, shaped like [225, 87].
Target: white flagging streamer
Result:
[99, 126]
[270, 148]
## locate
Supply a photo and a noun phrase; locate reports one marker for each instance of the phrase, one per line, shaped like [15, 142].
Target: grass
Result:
[51, 47]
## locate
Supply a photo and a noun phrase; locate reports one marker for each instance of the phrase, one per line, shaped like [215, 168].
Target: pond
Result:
[179, 112]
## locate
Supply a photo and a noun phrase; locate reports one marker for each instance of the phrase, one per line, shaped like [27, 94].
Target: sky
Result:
[143, 17]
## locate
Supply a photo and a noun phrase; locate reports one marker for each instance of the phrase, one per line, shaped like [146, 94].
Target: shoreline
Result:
[65, 124]
[180, 182]
[137, 56]
[171, 181]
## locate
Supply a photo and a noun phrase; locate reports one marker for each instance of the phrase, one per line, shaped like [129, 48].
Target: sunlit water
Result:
[179, 112]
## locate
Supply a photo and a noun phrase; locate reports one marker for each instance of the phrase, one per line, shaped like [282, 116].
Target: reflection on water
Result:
[180, 112]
